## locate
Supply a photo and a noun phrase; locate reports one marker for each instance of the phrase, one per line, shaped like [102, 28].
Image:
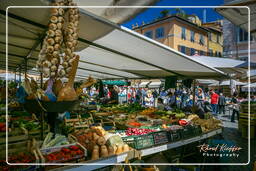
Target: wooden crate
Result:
[244, 108]
[42, 152]
[37, 133]
[15, 135]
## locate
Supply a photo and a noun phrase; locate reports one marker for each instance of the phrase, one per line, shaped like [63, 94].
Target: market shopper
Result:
[221, 104]
[200, 98]
[214, 101]
[113, 95]
[235, 107]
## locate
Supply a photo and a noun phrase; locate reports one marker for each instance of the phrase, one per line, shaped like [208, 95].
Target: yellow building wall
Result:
[172, 34]
[178, 41]
[213, 45]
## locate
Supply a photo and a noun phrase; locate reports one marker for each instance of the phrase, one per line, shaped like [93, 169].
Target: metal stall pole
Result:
[19, 75]
[26, 64]
[15, 76]
[42, 112]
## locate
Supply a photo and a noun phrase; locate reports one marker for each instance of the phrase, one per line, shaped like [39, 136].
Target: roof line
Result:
[172, 17]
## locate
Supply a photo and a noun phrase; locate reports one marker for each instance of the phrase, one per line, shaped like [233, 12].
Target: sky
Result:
[150, 14]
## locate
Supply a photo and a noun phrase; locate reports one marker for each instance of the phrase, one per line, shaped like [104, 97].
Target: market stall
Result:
[52, 118]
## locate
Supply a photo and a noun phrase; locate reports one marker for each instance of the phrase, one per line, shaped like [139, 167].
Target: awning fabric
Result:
[143, 84]
[239, 15]
[227, 83]
[107, 51]
[252, 87]
[224, 64]
[154, 84]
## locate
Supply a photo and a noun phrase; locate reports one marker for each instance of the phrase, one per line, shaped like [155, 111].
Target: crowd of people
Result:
[181, 98]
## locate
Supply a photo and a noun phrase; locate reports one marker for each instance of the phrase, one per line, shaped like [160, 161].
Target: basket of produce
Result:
[174, 133]
[140, 141]
[160, 137]
[139, 138]
[24, 152]
[99, 143]
[64, 153]
[187, 132]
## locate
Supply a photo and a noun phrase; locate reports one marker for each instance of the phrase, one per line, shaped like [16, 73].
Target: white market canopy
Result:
[154, 84]
[252, 87]
[143, 84]
[228, 83]
[239, 15]
[107, 51]
[224, 64]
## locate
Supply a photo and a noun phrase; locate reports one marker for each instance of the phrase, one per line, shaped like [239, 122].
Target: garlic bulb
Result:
[49, 49]
[54, 19]
[54, 11]
[53, 26]
[55, 54]
[53, 68]
[65, 64]
[47, 64]
[52, 74]
[50, 41]
[59, 25]
[51, 33]
[57, 47]
[62, 73]
[54, 61]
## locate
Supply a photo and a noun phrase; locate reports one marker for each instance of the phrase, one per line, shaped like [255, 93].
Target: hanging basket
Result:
[35, 106]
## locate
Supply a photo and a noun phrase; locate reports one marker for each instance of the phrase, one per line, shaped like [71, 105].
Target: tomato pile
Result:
[137, 131]
[65, 154]
[22, 157]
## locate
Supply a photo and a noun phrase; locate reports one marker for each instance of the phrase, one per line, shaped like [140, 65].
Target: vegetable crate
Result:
[188, 132]
[140, 142]
[244, 108]
[160, 137]
[37, 133]
[174, 135]
[79, 157]
[18, 153]
[15, 135]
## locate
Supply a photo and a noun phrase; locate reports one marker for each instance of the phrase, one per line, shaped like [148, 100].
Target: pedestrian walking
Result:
[235, 107]
[221, 104]
[214, 101]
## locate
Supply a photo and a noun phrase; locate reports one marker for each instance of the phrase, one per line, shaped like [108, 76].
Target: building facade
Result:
[178, 33]
[215, 38]
[235, 43]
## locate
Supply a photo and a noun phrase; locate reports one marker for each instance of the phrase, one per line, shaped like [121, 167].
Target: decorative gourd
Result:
[111, 150]
[95, 154]
[101, 141]
[103, 151]
[125, 148]
[95, 136]
[68, 93]
[119, 149]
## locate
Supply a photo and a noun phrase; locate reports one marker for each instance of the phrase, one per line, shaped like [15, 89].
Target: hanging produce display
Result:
[57, 58]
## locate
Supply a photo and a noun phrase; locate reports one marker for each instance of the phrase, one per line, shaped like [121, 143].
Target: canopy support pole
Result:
[15, 76]
[194, 92]
[19, 75]
[41, 80]
[26, 63]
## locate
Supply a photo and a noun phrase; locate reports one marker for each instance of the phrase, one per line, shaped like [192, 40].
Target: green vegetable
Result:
[56, 140]
[47, 139]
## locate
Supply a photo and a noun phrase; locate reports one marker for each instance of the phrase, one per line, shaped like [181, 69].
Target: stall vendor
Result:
[113, 94]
